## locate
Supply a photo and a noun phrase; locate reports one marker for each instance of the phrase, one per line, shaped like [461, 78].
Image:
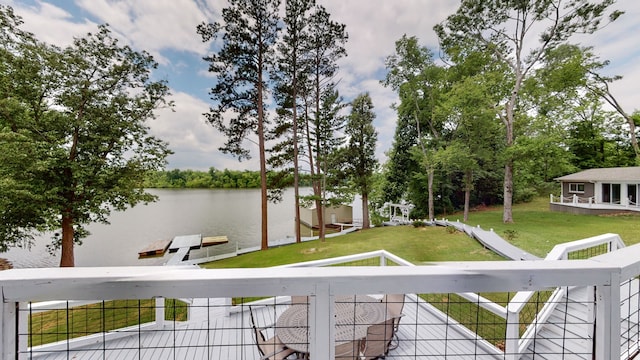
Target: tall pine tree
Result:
[249, 34]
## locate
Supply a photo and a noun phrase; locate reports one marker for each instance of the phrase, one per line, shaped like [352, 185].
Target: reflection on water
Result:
[234, 213]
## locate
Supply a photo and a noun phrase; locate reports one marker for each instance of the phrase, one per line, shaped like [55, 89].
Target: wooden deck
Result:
[423, 333]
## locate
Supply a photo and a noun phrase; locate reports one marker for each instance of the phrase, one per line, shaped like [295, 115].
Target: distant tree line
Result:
[212, 179]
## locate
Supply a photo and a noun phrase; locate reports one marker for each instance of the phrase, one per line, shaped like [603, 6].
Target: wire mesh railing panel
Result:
[630, 318]
[564, 327]
[588, 252]
[47, 325]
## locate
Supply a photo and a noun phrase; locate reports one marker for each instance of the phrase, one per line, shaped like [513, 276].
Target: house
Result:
[341, 214]
[599, 191]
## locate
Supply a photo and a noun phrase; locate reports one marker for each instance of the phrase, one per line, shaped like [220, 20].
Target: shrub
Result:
[419, 223]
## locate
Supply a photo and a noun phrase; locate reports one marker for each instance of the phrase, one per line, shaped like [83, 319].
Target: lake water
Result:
[234, 213]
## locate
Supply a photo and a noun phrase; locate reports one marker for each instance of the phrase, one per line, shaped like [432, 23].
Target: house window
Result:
[576, 188]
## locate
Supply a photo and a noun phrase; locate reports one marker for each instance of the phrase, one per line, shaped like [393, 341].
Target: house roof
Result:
[605, 174]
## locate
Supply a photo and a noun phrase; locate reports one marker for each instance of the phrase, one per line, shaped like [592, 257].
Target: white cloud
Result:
[154, 25]
[52, 24]
[194, 141]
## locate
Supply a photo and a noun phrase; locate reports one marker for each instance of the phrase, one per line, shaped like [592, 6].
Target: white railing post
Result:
[322, 324]
[575, 198]
[160, 311]
[8, 330]
[23, 329]
[608, 319]
[512, 336]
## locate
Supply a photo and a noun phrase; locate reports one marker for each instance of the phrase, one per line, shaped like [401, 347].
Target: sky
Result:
[166, 29]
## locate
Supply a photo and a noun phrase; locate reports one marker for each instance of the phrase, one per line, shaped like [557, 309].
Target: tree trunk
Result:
[296, 175]
[507, 215]
[264, 244]
[430, 174]
[320, 190]
[67, 259]
[319, 209]
[467, 194]
[509, 121]
[365, 210]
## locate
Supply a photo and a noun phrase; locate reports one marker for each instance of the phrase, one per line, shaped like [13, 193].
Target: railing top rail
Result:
[147, 282]
[626, 258]
[337, 260]
[559, 251]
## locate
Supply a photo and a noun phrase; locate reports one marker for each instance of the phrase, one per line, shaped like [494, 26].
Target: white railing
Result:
[21, 286]
[572, 199]
[516, 344]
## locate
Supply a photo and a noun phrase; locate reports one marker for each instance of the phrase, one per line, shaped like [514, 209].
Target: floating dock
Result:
[155, 249]
[214, 240]
[181, 245]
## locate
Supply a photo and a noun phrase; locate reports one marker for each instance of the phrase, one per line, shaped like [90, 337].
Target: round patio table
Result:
[354, 315]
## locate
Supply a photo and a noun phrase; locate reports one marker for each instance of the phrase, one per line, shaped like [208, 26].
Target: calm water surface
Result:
[234, 213]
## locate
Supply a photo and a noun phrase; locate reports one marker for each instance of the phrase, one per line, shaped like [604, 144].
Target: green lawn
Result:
[535, 229]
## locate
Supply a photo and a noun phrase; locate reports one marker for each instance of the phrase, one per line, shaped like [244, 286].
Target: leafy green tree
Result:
[507, 29]
[249, 33]
[361, 150]
[472, 139]
[400, 164]
[599, 85]
[420, 83]
[75, 143]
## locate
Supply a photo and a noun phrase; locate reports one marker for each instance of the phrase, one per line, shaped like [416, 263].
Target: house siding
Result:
[589, 189]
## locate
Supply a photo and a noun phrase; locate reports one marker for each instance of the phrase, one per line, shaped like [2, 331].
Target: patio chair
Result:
[379, 337]
[348, 351]
[395, 303]
[269, 349]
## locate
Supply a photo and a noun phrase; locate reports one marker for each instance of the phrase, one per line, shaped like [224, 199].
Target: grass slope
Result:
[535, 229]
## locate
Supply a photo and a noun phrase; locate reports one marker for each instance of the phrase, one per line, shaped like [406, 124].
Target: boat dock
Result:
[181, 245]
